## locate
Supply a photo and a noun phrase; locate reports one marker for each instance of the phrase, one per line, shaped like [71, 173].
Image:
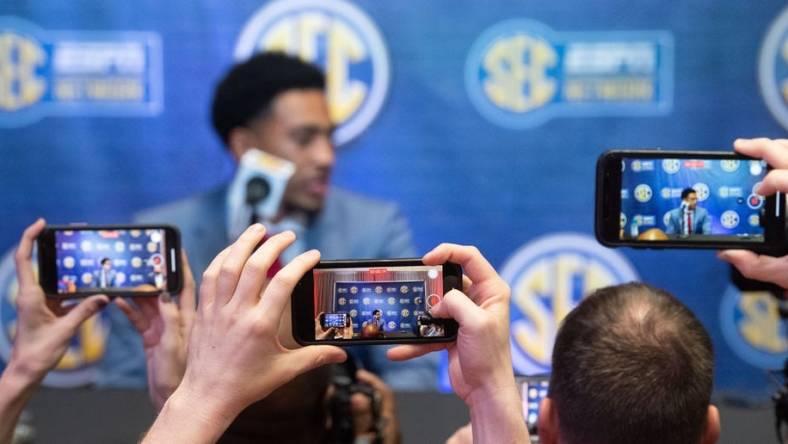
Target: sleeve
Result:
[671, 228]
[419, 374]
[123, 363]
[706, 223]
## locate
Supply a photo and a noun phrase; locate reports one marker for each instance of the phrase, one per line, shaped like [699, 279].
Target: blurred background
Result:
[482, 120]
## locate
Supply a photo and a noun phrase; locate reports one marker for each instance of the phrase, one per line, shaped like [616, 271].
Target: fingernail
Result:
[258, 227]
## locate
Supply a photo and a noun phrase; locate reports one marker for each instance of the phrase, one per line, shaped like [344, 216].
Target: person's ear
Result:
[239, 141]
[712, 431]
[547, 426]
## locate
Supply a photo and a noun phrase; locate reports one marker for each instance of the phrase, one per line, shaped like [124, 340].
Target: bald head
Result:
[631, 362]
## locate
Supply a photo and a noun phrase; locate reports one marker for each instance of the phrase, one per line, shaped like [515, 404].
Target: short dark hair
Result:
[686, 192]
[631, 364]
[104, 260]
[247, 90]
[376, 311]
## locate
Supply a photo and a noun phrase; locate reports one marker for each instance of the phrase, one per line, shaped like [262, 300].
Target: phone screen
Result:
[386, 302]
[533, 389]
[111, 260]
[691, 199]
[334, 320]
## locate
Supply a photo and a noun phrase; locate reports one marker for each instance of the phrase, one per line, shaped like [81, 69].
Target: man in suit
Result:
[277, 104]
[688, 218]
[104, 277]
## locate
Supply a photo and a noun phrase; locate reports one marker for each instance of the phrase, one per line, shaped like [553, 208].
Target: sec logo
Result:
[336, 35]
[729, 219]
[77, 367]
[21, 57]
[666, 219]
[548, 278]
[643, 193]
[671, 166]
[702, 190]
[773, 69]
[729, 165]
[751, 326]
[511, 71]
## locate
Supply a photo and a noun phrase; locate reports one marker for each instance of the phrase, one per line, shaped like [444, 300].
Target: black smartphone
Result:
[333, 320]
[686, 199]
[117, 260]
[533, 389]
[349, 302]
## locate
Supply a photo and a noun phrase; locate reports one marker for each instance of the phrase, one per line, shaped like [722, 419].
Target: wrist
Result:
[497, 416]
[206, 406]
[22, 376]
[499, 386]
[188, 416]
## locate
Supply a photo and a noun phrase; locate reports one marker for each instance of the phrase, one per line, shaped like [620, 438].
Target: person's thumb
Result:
[314, 356]
[84, 310]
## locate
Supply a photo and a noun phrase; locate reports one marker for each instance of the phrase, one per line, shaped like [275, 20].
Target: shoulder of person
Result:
[186, 209]
[342, 198]
[341, 201]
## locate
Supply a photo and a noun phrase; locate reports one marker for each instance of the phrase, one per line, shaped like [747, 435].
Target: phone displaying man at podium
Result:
[688, 218]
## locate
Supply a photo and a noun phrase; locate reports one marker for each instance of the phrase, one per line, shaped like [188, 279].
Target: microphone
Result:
[257, 189]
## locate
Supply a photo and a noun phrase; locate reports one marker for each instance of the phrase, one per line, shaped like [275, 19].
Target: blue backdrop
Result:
[483, 120]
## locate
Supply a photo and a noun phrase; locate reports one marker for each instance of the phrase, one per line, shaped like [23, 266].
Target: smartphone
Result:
[350, 302]
[533, 389]
[686, 199]
[128, 260]
[333, 320]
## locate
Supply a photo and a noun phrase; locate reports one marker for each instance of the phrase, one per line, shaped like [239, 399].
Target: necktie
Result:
[689, 223]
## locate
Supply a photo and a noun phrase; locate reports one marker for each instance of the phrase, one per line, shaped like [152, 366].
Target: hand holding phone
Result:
[686, 199]
[769, 270]
[130, 260]
[42, 334]
[164, 324]
[373, 302]
[235, 356]
[480, 360]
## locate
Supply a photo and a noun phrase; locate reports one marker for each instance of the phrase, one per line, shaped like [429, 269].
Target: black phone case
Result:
[603, 196]
[299, 320]
[114, 293]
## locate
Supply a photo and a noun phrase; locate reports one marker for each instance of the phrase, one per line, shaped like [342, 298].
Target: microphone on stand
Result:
[257, 189]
